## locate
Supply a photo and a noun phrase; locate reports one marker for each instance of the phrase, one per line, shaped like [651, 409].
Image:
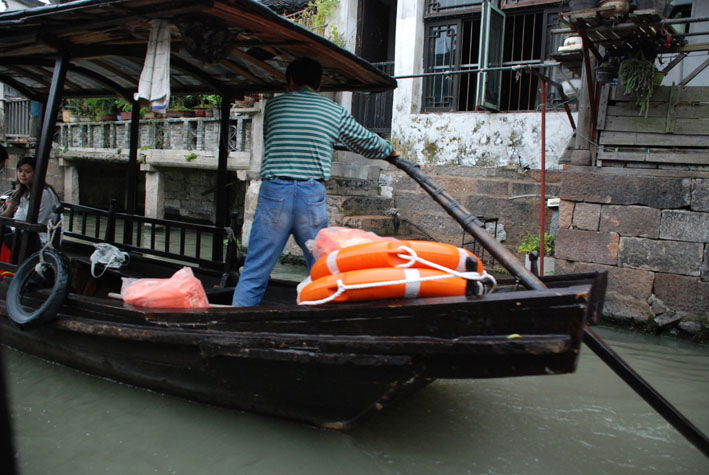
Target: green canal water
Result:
[589, 422]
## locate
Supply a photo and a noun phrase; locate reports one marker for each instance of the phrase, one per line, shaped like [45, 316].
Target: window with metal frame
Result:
[454, 43]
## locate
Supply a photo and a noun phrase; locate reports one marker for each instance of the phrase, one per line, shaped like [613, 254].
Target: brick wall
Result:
[649, 230]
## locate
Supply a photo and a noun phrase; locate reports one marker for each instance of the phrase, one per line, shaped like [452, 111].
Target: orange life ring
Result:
[327, 286]
[385, 254]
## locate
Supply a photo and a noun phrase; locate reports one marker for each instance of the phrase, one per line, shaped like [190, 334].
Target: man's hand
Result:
[395, 153]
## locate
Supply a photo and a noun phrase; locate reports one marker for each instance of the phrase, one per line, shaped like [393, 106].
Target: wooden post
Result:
[584, 127]
[44, 145]
[132, 171]
[220, 194]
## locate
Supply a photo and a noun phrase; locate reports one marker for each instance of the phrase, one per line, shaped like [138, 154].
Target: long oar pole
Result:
[472, 225]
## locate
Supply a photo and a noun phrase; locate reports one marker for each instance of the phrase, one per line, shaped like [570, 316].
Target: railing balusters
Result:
[91, 231]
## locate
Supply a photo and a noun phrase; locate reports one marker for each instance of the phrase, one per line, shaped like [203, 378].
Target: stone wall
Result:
[509, 194]
[650, 230]
[55, 174]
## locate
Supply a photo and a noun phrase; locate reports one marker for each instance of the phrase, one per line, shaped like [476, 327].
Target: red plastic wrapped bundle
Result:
[182, 290]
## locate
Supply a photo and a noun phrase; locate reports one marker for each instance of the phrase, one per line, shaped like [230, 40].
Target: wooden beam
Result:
[24, 90]
[694, 73]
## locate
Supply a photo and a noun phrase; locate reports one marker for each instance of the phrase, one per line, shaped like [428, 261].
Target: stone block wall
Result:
[650, 231]
[189, 193]
[55, 173]
[509, 194]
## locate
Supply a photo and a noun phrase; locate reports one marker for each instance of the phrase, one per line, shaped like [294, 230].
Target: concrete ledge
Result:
[205, 159]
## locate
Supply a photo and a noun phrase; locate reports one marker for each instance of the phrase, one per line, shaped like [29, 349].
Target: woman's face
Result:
[25, 174]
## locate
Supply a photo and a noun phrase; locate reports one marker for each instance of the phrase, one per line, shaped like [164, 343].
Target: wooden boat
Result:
[328, 365]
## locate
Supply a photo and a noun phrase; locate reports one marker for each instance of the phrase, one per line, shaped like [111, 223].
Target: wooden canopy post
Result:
[132, 171]
[44, 145]
[220, 194]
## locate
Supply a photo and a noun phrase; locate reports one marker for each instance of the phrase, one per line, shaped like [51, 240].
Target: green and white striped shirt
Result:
[300, 128]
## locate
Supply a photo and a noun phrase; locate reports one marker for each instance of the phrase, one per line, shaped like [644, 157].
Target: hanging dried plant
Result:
[637, 75]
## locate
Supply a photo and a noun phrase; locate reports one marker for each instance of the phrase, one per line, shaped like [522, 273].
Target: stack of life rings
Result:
[392, 269]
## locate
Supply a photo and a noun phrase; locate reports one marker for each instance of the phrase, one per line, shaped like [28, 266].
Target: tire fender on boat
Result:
[18, 285]
[412, 285]
[386, 254]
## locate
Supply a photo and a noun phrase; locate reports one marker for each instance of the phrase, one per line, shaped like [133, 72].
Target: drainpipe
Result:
[542, 198]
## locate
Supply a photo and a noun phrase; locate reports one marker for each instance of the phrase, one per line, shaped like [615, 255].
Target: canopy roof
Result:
[218, 46]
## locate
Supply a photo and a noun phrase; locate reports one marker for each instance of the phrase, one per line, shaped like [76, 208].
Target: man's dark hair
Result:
[305, 72]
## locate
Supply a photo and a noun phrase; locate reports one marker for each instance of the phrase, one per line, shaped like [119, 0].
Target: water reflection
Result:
[67, 422]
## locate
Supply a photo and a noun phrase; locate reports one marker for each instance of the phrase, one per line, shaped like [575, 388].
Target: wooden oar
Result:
[509, 261]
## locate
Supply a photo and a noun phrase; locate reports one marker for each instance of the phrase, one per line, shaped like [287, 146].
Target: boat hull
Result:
[327, 366]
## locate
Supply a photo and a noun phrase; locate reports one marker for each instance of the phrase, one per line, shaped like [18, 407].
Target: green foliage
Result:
[100, 106]
[123, 105]
[530, 243]
[191, 156]
[316, 16]
[637, 75]
[214, 100]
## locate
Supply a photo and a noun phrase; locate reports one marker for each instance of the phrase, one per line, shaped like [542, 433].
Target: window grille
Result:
[452, 43]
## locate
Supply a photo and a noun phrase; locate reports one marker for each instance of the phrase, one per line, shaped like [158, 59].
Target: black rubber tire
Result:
[49, 309]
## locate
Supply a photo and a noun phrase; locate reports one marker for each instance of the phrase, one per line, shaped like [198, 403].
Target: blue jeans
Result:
[284, 207]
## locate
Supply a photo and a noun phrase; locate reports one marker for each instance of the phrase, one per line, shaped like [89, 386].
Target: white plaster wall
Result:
[408, 60]
[462, 138]
[482, 139]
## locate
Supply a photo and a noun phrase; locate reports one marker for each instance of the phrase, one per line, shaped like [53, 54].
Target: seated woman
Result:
[17, 206]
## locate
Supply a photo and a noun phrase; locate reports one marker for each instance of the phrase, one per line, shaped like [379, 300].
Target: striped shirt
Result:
[300, 129]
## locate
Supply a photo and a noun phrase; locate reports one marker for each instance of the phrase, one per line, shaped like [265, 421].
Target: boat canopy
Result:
[227, 47]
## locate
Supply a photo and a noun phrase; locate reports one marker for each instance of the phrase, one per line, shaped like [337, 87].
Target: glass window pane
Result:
[491, 43]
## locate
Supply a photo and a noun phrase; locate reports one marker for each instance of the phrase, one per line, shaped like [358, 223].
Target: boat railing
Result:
[202, 244]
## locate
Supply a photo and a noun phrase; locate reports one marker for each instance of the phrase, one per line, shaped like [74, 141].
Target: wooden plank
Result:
[658, 125]
[682, 110]
[636, 124]
[653, 140]
[650, 156]
[662, 94]
[672, 110]
[603, 107]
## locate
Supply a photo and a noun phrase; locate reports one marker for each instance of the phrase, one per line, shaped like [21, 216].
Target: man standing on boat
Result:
[300, 129]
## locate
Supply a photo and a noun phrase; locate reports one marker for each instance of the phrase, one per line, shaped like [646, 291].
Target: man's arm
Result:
[362, 141]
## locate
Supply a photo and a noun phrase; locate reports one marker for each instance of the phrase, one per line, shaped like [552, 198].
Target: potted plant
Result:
[638, 76]
[102, 108]
[610, 8]
[214, 101]
[607, 71]
[71, 108]
[657, 5]
[203, 109]
[529, 246]
[125, 109]
[179, 107]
